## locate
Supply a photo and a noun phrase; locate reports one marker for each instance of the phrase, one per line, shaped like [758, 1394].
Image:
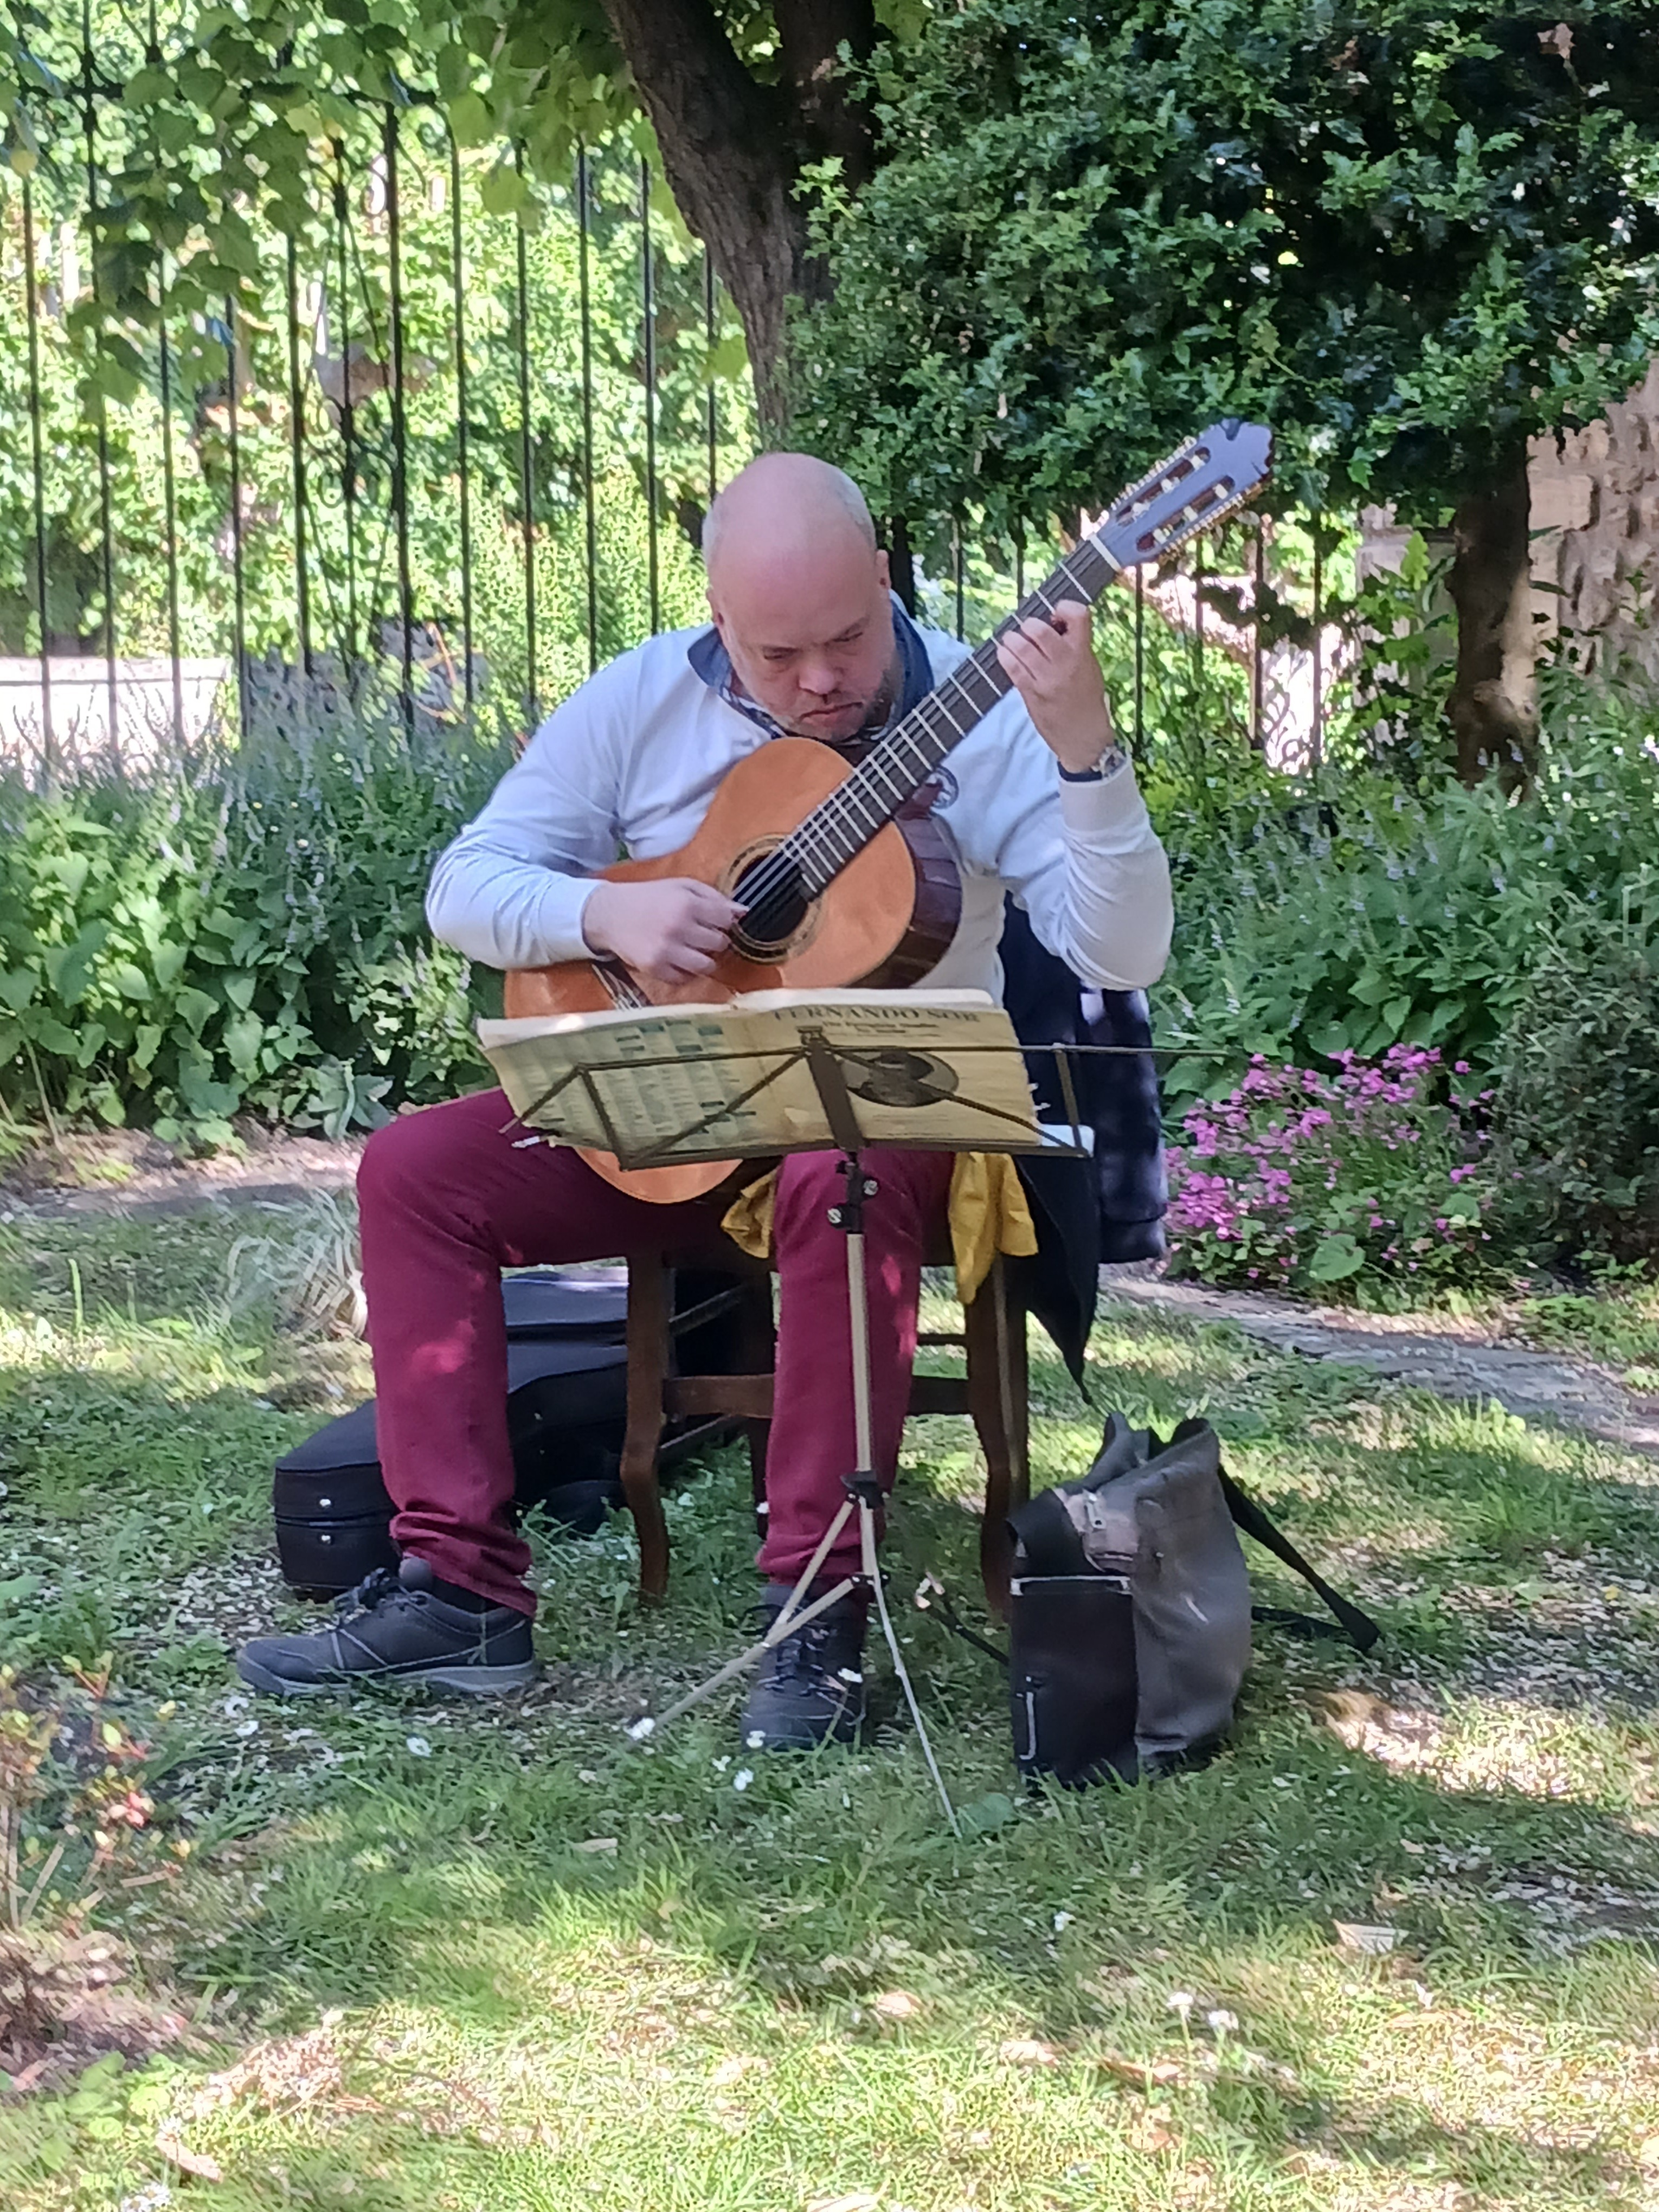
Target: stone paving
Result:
[1453, 1361]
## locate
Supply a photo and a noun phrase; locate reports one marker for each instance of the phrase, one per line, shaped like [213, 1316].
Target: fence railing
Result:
[459, 444]
[449, 444]
[1237, 643]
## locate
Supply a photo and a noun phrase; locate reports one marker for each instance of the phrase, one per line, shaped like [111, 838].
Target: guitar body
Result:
[887, 920]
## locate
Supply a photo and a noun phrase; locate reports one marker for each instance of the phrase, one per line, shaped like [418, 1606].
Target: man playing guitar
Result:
[807, 641]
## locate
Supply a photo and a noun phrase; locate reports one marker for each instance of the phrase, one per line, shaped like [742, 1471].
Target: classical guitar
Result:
[846, 877]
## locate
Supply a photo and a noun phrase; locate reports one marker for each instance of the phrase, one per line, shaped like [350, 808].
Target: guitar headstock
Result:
[1192, 491]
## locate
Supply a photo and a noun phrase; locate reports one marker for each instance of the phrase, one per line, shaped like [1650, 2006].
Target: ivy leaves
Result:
[237, 123]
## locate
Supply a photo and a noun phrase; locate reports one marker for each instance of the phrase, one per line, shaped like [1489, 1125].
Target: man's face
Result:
[810, 632]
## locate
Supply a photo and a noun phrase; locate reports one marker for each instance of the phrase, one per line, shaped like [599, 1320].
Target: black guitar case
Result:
[566, 1407]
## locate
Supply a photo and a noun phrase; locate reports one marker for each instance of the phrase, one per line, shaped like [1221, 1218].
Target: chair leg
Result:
[1020, 1376]
[757, 1340]
[994, 1325]
[647, 1370]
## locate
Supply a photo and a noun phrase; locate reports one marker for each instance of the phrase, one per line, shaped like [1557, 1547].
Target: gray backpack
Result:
[1131, 1613]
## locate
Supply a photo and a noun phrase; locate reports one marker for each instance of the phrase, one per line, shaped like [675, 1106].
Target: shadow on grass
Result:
[478, 1876]
[771, 1925]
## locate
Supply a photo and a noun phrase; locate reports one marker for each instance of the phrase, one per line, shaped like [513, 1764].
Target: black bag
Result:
[1131, 1610]
[567, 1396]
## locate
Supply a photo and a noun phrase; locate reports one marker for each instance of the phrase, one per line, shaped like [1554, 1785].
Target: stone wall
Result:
[72, 718]
[1595, 501]
[1595, 520]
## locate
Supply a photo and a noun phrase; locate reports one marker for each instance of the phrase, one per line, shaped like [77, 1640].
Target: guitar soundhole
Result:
[771, 889]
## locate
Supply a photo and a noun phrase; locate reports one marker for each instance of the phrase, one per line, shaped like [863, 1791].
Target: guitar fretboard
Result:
[834, 832]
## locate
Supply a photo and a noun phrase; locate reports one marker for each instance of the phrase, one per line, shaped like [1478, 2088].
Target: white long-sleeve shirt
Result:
[629, 762]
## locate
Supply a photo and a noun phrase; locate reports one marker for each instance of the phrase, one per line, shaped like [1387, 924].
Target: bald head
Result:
[797, 589]
[786, 499]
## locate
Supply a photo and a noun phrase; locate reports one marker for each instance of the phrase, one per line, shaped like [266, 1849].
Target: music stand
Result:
[872, 1060]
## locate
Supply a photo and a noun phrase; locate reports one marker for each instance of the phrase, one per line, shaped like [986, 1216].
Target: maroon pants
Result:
[452, 1195]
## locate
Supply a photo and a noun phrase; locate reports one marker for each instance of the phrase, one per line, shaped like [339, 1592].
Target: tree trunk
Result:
[1494, 700]
[810, 35]
[732, 150]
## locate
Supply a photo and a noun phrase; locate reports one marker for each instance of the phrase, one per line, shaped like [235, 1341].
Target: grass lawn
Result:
[1618, 1327]
[394, 1953]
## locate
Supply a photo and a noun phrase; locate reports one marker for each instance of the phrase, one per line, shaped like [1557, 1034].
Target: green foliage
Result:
[1359, 914]
[1390, 710]
[1409, 237]
[1182, 701]
[229, 122]
[1577, 1106]
[168, 449]
[1618, 1322]
[1368, 916]
[247, 934]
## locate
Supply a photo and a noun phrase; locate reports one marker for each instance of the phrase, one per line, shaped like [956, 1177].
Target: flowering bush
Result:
[1301, 1180]
[1356, 914]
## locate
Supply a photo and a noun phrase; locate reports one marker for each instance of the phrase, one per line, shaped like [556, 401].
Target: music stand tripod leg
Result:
[794, 1613]
[863, 1485]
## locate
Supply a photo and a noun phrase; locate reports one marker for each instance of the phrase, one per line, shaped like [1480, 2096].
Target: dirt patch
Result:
[283, 2075]
[65, 2002]
[126, 1171]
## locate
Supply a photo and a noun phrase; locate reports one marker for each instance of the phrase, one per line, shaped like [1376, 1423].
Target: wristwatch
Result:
[1111, 760]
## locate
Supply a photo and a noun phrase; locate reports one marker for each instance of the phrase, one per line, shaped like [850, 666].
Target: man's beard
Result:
[871, 716]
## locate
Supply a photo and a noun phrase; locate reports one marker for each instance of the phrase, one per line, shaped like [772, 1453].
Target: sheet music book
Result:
[932, 1071]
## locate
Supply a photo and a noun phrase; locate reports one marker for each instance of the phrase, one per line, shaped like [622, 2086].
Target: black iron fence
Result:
[455, 444]
[460, 445]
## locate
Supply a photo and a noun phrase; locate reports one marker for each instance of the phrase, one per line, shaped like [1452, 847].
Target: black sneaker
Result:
[392, 1628]
[811, 1686]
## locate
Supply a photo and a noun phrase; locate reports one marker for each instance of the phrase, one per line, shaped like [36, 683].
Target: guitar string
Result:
[820, 849]
[822, 835]
[842, 825]
[818, 836]
[815, 838]
[919, 722]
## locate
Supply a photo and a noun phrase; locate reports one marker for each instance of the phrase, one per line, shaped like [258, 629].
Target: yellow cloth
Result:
[988, 1215]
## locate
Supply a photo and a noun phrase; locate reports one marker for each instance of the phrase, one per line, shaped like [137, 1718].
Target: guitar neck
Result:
[840, 829]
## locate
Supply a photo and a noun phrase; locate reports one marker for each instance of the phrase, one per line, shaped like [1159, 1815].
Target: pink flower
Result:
[1253, 1169]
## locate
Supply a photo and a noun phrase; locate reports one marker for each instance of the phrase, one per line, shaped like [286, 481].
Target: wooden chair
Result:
[992, 1393]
